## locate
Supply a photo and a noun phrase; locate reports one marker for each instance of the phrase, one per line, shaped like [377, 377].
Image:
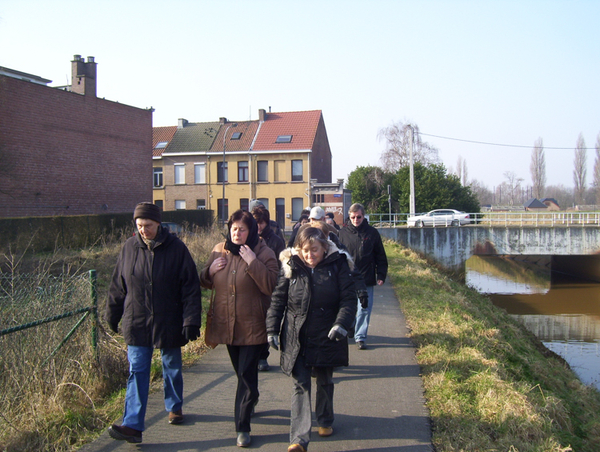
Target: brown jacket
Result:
[242, 295]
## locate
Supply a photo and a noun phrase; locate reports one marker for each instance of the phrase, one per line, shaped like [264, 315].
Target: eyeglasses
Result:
[357, 217]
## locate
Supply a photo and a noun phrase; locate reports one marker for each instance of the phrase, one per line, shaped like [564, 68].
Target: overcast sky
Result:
[502, 72]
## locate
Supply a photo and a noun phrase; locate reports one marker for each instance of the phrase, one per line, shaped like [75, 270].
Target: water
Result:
[563, 312]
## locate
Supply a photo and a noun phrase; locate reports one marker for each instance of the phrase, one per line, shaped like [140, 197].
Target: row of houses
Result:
[65, 151]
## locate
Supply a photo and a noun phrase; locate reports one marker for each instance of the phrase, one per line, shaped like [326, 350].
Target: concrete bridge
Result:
[452, 246]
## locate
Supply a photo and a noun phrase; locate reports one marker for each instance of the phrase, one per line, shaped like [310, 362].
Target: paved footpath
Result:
[379, 404]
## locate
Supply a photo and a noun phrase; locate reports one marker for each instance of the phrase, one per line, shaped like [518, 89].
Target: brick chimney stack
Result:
[83, 76]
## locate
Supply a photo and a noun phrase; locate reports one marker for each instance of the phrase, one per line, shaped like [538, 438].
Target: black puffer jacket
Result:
[155, 292]
[309, 302]
[366, 248]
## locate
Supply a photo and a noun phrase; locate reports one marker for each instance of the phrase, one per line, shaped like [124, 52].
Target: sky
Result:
[483, 80]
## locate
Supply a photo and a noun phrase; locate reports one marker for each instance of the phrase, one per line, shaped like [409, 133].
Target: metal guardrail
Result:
[513, 218]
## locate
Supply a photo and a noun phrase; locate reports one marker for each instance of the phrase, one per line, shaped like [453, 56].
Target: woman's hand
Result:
[247, 254]
[217, 265]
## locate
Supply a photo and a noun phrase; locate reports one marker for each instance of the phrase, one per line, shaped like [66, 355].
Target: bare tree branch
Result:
[396, 154]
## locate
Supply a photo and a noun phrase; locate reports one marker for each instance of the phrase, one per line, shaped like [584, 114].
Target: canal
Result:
[561, 309]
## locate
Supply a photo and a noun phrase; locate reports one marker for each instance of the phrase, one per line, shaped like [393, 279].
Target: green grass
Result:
[490, 385]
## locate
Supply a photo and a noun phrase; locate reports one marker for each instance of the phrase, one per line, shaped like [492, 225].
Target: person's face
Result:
[239, 232]
[312, 254]
[261, 226]
[147, 228]
[356, 218]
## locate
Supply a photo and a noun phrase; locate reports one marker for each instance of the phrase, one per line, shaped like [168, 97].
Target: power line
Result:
[499, 144]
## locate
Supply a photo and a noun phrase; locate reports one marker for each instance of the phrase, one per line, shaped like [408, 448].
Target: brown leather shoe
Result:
[325, 431]
[296, 448]
[176, 417]
[124, 433]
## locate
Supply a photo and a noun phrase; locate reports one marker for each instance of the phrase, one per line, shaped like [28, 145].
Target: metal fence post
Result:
[94, 295]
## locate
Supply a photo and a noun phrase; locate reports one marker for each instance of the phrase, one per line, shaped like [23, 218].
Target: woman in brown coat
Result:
[243, 273]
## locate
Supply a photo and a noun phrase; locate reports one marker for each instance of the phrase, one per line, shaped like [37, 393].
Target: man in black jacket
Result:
[155, 291]
[366, 248]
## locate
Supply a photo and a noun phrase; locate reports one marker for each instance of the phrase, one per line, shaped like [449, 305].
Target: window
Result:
[179, 173]
[244, 204]
[236, 135]
[223, 212]
[243, 171]
[297, 206]
[265, 202]
[200, 204]
[200, 173]
[262, 170]
[296, 170]
[221, 172]
[161, 145]
[284, 139]
[279, 170]
[159, 204]
[180, 204]
[318, 199]
[157, 177]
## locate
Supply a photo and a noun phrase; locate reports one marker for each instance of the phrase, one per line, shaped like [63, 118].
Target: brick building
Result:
[64, 151]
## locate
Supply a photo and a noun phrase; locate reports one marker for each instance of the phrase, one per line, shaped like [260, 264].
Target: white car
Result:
[439, 217]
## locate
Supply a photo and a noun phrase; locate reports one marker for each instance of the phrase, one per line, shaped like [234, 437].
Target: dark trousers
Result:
[245, 363]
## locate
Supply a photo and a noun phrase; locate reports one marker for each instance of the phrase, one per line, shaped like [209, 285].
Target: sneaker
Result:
[124, 433]
[325, 431]
[263, 365]
[243, 439]
[296, 448]
[176, 417]
[361, 345]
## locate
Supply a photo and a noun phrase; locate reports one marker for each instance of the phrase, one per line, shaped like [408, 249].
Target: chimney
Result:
[223, 120]
[83, 76]
[261, 115]
[181, 123]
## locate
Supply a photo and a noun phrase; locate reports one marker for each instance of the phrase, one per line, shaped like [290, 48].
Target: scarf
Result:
[251, 241]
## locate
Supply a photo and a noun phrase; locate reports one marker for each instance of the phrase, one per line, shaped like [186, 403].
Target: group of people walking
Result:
[304, 300]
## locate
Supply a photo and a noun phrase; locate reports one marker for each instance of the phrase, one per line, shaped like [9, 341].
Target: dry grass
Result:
[490, 385]
[59, 403]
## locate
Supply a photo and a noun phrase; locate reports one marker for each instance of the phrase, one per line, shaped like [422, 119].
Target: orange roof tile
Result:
[302, 125]
[159, 135]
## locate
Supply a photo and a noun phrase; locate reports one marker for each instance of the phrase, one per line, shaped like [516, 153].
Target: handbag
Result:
[209, 318]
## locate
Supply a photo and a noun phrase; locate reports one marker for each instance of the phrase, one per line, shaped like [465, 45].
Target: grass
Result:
[490, 385]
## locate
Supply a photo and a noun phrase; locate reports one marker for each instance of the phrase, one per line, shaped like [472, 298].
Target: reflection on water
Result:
[563, 313]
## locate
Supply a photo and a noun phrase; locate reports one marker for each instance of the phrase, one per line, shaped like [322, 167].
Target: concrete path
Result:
[379, 404]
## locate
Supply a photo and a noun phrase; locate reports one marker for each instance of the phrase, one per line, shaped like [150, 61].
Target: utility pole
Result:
[412, 172]
[390, 201]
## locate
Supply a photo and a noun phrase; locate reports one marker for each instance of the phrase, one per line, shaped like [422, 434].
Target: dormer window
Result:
[161, 145]
[284, 139]
[236, 135]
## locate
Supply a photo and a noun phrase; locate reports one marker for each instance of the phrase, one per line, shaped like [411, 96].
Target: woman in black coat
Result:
[312, 308]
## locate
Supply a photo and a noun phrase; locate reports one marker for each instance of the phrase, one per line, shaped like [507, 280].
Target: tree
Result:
[484, 195]
[537, 168]
[596, 181]
[369, 187]
[511, 188]
[434, 189]
[396, 154]
[579, 170]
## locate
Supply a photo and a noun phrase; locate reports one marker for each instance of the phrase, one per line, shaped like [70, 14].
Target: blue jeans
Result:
[138, 383]
[362, 318]
[300, 414]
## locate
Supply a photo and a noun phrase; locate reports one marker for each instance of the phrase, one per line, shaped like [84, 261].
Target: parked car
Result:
[439, 217]
[173, 228]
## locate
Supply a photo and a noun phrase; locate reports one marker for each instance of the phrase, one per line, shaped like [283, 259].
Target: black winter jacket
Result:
[366, 248]
[305, 305]
[155, 292]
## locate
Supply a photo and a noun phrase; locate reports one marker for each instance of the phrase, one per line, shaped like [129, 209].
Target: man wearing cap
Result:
[155, 291]
[316, 219]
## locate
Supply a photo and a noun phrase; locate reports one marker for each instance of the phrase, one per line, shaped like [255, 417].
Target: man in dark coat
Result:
[155, 291]
[364, 244]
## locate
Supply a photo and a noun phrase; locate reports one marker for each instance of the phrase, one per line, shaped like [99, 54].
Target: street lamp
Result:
[223, 173]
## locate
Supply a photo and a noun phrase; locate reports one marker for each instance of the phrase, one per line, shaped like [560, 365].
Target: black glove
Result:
[114, 326]
[363, 296]
[337, 333]
[191, 333]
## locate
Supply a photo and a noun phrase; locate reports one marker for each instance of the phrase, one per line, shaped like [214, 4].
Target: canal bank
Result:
[489, 383]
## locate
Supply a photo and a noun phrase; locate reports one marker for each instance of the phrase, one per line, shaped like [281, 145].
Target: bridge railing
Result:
[512, 218]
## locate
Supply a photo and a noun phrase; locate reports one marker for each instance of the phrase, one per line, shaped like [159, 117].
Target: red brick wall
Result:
[63, 153]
